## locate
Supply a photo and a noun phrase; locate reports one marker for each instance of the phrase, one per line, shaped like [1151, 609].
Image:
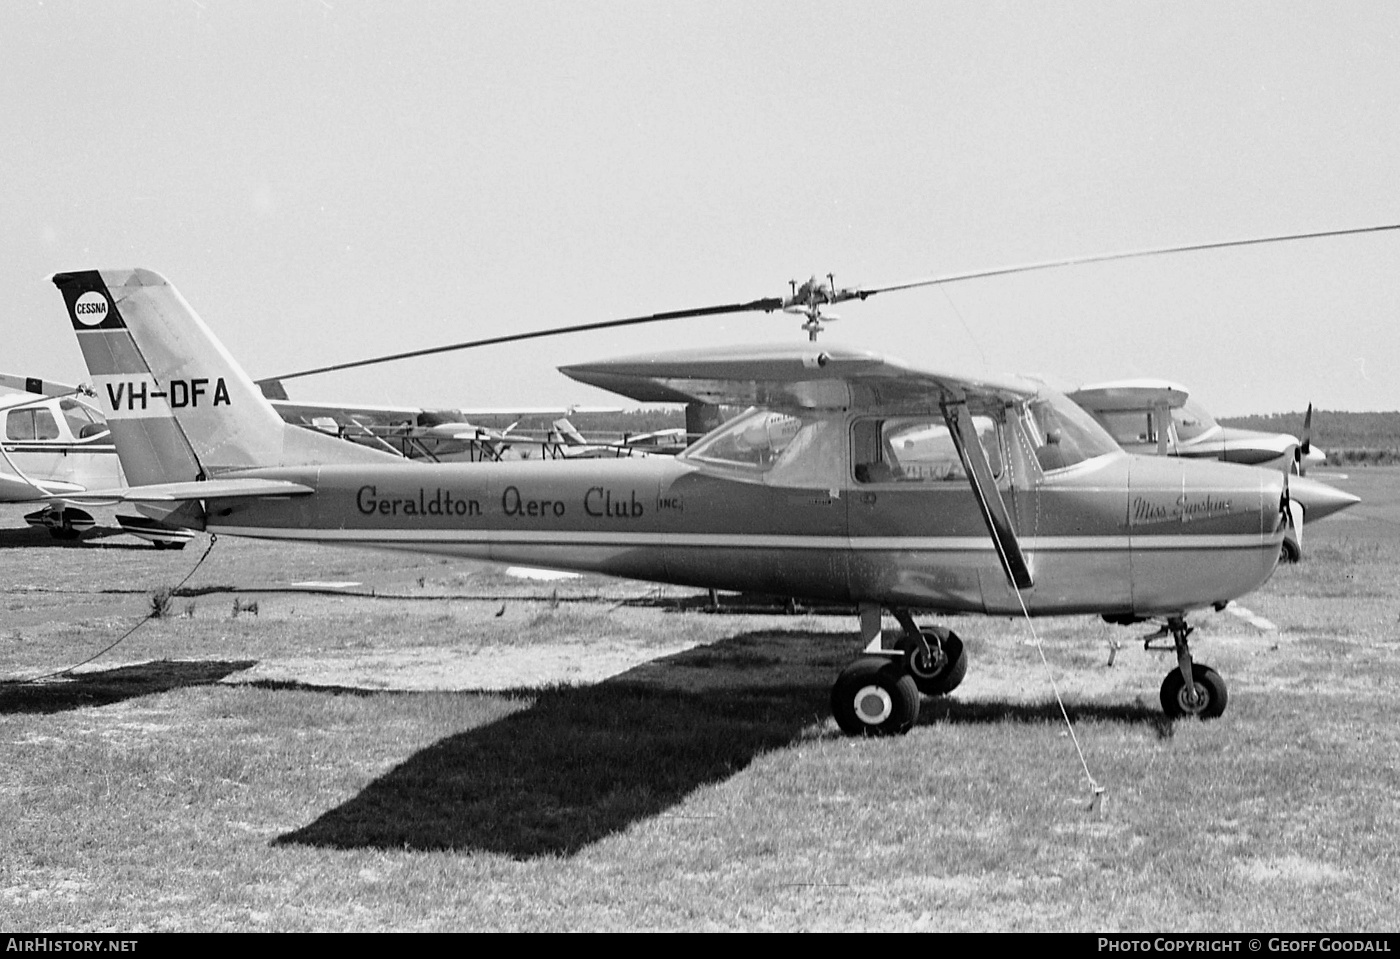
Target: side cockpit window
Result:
[777, 449]
[35, 424]
[1131, 427]
[917, 449]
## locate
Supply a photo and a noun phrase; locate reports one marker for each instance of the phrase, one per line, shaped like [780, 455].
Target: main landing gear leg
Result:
[878, 694]
[1192, 689]
[936, 658]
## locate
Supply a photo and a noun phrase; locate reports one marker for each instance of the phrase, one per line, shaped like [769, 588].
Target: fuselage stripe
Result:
[576, 538]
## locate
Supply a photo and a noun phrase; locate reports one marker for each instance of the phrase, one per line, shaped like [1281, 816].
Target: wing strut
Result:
[994, 512]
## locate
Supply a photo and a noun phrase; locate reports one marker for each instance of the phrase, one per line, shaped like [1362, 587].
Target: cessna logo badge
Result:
[90, 308]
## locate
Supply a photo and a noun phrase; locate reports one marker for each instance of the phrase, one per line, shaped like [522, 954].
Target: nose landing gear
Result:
[934, 657]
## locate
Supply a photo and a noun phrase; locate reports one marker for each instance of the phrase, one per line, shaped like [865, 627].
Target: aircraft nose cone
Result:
[1318, 499]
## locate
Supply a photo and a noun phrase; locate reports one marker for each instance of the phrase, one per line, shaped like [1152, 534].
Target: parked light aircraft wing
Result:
[792, 376]
[1131, 395]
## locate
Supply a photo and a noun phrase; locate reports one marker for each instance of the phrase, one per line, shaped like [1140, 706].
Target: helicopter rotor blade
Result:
[766, 305]
[866, 292]
[812, 295]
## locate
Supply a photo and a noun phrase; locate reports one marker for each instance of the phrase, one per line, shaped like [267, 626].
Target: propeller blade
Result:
[1307, 432]
[766, 305]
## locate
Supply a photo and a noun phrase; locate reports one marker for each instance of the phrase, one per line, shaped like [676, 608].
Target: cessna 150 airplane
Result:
[855, 477]
[54, 442]
[1159, 417]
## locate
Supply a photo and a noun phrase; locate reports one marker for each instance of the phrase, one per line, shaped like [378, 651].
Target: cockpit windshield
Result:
[1062, 433]
[83, 422]
[1192, 422]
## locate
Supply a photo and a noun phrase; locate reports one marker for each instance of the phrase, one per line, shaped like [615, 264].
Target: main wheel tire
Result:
[1211, 696]
[875, 697]
[948, 675]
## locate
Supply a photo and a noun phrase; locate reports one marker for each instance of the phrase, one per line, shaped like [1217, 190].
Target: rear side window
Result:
[917, 450]
[31, 425]
[1130, 428]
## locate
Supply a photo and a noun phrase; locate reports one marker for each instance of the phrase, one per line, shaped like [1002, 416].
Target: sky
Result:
[327, 180]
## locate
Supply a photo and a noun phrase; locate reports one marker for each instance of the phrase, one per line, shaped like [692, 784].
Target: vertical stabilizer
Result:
[568, 434]
[179, 407]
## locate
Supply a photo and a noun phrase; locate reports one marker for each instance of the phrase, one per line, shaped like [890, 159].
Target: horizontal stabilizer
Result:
[181, 492]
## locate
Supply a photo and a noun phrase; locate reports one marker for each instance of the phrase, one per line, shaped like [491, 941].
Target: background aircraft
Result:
[1159, 417]
[856, 478]
[439, 435]
[54, 442]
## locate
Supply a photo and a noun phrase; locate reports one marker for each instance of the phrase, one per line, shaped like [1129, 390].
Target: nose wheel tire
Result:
[936, 679]
[875, 697]
[1206, 701]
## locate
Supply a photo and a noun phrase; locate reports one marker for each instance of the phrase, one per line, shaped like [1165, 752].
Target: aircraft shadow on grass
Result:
[30, 537]
[585, 763]
[104, 687]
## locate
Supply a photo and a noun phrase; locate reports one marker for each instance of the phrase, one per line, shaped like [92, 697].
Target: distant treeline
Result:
[1347, 438]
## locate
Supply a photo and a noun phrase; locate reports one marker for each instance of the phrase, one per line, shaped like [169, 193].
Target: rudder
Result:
[179, 406]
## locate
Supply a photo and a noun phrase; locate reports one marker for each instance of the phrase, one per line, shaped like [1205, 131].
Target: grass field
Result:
[443, 746]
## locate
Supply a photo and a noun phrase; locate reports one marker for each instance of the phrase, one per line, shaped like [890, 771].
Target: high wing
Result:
[1131, 395]
[793, 376]
[805, 377]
